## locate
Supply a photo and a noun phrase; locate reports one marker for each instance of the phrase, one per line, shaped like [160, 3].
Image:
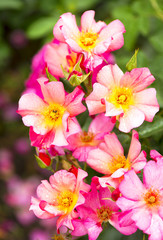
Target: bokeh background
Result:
[25, 26]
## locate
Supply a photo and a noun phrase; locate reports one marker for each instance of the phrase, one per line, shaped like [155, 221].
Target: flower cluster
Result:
[72, 76]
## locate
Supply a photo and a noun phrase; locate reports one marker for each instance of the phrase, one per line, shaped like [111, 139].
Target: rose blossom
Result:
[142, 203]
[51, 118]
[60, 197]
[109, 159]
[124, 96]
[92, 39]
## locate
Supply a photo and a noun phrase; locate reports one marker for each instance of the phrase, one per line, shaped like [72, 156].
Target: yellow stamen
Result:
[87, 40]
[53, 115]
[119, 162]
[66, 201]
[104, 213]
[121, 97]
[87, 139]
[152, 198]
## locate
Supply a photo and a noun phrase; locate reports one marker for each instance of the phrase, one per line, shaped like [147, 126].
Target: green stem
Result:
[158, 10]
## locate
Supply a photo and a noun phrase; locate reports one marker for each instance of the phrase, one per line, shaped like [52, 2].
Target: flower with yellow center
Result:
[117, 163]
[53, 115]
[66, 201]
[87, 40]
[121, 97]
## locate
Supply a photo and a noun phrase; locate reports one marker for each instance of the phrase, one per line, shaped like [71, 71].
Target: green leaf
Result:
[11, 4]
[41, 27]
[132, 63]
[157, 42]
[50, 77]
[149, 129]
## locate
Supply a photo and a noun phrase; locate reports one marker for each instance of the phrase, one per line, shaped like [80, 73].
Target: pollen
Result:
[88, 139]
[66, 200]
[53, 114]
[87, 40]
[152, 198]
[104, 213]
[121, 97]
[117, 163]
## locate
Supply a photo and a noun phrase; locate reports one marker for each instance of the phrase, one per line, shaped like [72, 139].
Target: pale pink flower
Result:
[92, 39]
[60, 197]
[51, 118]
[143, 203]
[124, 96]
[98, 209]
[109, 159]
[84, 141]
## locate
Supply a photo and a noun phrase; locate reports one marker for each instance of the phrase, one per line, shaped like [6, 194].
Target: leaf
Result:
[11, 4]
[41, 27]
[157, 42]
[132, 63]
[50, 76]
[149, 129]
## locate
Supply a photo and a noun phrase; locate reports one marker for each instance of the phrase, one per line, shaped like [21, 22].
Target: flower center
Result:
[104, 213]
[71, 60]
[152, 198]
[86, 136]
[119, 162]
[53, 114]
[58, 237]
[87, 40]
[66, 201]
[121, 97]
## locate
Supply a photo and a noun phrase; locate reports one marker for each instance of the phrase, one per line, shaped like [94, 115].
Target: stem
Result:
[158, 10]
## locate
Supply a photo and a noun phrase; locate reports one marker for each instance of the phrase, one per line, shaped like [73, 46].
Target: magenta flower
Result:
[91, 39]
[156, 155]
[60, 197]
[109, 159]
[52, 117]
[97, 209]
[143, 203]
[83, 142]
[124, 96]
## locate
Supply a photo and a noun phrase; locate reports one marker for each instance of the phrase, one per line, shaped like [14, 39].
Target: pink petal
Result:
[142, 217]
[137, 79]
[152, 175]
[98, 160]
[131, 119]
[63, 180]
[93, 101]
[126, 230]
[37, 210]
[140, 162]
[93, 228]
[41, 141]
[113, 146]
[79, 228]
[109, 76]
[135, 147]
[87, 20]
[55, 56]
[101, 124]
[131, 187]
[115, 30]
[80, 185]
[146, 101]
[30, 103]
[156, 228]
[57, 31]
[73, 102]
[111, 110]
[59, 138]
[126, 205]
[53, 92]
[46, 192]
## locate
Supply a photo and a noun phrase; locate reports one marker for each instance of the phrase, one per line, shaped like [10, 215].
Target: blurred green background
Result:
[25, 26]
